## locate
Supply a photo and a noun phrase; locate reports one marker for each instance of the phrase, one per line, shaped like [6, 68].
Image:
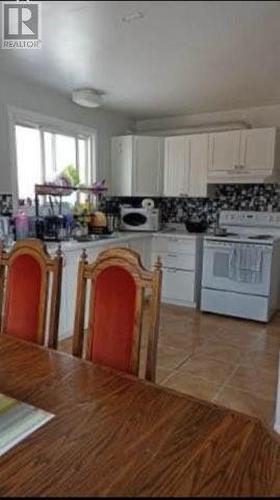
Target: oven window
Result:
[134, 219]
[221, 265]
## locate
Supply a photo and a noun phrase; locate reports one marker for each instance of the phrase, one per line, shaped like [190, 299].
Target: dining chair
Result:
[117, 286]
[29, 299]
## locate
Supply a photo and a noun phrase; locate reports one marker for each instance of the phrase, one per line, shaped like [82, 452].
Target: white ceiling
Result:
[182, 57]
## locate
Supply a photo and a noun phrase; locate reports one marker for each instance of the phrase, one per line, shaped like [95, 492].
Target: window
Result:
[28, 160]
[43, 153]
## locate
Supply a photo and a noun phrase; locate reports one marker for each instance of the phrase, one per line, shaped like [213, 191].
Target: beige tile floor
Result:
[229, 361]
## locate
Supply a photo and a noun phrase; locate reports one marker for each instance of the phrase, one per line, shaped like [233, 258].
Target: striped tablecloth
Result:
[17, 421]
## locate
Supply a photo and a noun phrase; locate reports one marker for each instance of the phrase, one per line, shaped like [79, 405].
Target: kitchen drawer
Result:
[176, 260]
[173, 244]
[178, 286]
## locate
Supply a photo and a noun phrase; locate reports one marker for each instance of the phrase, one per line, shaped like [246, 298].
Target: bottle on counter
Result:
[21, 224]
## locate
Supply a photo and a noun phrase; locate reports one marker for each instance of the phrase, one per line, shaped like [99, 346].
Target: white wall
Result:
[264, 116]
[46, 101]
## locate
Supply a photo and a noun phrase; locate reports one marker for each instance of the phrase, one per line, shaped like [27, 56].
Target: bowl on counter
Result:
[196, 226]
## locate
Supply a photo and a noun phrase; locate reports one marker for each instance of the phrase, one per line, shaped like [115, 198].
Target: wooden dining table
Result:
[116, 435]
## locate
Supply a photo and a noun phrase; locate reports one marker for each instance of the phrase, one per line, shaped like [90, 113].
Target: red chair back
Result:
[25, 273]
[118, 281]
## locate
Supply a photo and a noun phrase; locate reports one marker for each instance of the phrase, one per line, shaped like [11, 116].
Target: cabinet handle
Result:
[173, 271]
[238, 168]
[172, 255]
[64, 260]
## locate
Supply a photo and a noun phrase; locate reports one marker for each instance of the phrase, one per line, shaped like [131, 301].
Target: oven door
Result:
[135, 221]
[216, 270]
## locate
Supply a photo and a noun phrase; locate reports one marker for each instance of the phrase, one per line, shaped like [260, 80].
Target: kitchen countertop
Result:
[119, 238]
[179, 234]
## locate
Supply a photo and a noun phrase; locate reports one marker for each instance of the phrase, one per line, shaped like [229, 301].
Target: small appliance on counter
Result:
[140, 219]
[51, 228]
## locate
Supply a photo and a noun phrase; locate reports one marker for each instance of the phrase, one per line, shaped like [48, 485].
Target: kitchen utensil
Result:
[111, 223]
[219, 231]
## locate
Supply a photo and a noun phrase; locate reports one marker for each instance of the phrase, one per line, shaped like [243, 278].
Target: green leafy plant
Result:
[72, 174]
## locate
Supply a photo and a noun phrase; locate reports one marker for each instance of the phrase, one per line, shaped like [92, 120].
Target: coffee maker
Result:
[51, 228]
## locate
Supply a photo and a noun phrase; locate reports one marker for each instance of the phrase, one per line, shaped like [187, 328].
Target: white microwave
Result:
[140, 219]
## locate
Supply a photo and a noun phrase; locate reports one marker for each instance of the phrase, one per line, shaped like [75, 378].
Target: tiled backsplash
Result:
[6, 204]
[258, 197]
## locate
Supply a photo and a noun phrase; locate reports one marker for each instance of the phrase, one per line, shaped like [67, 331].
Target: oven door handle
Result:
[218, 247]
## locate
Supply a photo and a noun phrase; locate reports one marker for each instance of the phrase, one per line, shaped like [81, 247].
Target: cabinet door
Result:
[224, 151]
[171, 244]
[198, 164]
[178, 261]
[175, 166]
[178, 286]
[138, 245]
[121, 166]
[257, 149]
[147, 166]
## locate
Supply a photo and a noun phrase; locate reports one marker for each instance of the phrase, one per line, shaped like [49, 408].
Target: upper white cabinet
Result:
[121, 166]
[185, 165]
[243, 156]
[257, 149]
[175, 166]
[224, 151]
[137, 166]
[198, 164]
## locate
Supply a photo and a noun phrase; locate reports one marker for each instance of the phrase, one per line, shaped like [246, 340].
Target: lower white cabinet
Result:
[143, 247]
[178, 286]
[69, 289]
[68, 293]
[181, 259]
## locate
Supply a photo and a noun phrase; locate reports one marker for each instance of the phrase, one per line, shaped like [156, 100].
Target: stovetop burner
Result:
[245, 236]
[260, 237]
[226, 235]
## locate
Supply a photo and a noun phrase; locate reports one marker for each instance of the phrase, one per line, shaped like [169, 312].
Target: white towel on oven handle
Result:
[245, 263]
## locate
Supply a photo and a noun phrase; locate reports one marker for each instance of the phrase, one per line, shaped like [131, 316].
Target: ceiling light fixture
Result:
[132, 17]
[88, 98]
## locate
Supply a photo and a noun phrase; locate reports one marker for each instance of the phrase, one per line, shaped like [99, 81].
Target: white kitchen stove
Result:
[241, 270]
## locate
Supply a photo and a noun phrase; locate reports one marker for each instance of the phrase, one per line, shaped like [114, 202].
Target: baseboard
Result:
[175, 302]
